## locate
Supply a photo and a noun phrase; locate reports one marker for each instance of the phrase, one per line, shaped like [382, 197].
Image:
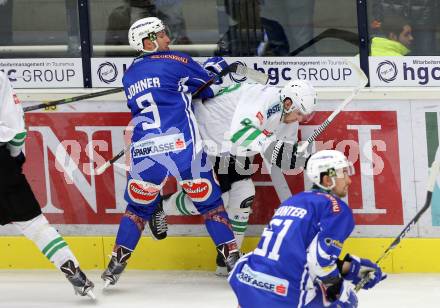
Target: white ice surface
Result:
[49, 289]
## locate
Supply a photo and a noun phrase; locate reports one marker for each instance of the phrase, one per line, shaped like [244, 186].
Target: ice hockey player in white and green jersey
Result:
[241, 121]
[18, 205]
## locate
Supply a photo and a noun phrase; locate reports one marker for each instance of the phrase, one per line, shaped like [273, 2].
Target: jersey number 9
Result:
[148, 98]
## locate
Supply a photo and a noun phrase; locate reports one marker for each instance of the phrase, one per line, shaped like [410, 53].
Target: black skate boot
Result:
[230, 254]
[158, 223]
[221, 269]
[116, 266]
[81, 284]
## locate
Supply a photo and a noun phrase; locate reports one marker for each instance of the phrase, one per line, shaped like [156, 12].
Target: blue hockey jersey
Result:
[158, 87]
[302, 242]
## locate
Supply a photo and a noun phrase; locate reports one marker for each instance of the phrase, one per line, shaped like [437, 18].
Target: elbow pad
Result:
[281, 154]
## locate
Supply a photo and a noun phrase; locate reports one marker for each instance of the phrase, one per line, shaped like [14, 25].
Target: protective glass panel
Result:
[232, 27]
[39, 28]
[400, 28]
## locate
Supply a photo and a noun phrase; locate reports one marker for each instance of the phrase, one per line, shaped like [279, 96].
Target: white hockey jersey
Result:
[12, 128]
[243, 117]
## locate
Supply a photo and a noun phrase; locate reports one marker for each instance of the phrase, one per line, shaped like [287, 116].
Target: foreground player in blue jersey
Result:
[165, 141]
[296, 262]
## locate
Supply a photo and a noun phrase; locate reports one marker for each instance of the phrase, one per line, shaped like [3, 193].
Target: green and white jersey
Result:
[243, 119]
[12, 128]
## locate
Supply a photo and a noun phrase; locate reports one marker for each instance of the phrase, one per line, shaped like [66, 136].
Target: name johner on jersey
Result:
[142, 85]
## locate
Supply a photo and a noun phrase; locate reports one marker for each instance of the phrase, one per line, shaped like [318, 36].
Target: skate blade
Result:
[221, 271]
[106, 284]
[91, 295]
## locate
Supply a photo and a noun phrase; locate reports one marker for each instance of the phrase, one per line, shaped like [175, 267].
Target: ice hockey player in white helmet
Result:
[239, 122]
[296, 263]
[302, 94]
[149, 27]
[18, 205]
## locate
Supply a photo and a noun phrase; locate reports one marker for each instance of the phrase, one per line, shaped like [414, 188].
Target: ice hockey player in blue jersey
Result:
[296, 263]
[165, 141]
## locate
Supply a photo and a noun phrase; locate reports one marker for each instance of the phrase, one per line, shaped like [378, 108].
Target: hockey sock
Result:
[239, 216]
[180, 204]
[48, 240]
[239, 229]
[130, 230]
[218, 225]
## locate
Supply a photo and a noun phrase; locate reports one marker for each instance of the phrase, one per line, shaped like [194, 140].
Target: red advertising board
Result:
[70, 194]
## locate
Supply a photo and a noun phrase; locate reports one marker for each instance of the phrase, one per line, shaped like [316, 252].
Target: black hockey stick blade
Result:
[72, 99]
[347, 36]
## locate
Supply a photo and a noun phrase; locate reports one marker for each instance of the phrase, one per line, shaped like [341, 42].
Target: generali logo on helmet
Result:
[107, 72]
[387, 71]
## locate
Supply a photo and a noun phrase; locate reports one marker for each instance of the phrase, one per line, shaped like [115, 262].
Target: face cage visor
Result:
[306, 117]
[341, 172]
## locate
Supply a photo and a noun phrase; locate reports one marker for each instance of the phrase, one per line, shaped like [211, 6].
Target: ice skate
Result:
[81, 284]
[115, 267]
[158, 223]
[230, 254]
[221, 269]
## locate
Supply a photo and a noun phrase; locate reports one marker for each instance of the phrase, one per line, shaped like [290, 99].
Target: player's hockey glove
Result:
[360, 267]
[282, 154]
[346, 298]
[215, 65]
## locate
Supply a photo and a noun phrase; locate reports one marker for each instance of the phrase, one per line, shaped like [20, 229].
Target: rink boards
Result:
[390, 136]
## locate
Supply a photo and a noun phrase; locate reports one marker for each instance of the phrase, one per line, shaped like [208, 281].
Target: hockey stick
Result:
[232, 68]
[350, 37]
[323, 126]
[72, 99]
[236, 68]
[433, 172]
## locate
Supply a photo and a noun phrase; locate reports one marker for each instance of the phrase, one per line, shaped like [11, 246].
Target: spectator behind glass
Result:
[5, 22]
[170, 11]
[394, 38]
[289, 24]
[244, 32]
[423, 16]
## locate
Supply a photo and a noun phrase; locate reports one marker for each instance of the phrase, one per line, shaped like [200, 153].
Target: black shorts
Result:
[230, 169]
[17, 201]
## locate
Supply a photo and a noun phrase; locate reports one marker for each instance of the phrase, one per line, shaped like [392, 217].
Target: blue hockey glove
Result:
[215, 65]
[360, 267]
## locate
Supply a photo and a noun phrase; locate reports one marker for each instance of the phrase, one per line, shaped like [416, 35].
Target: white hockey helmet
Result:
[144, 28]
[331, 162]
[302, 94]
